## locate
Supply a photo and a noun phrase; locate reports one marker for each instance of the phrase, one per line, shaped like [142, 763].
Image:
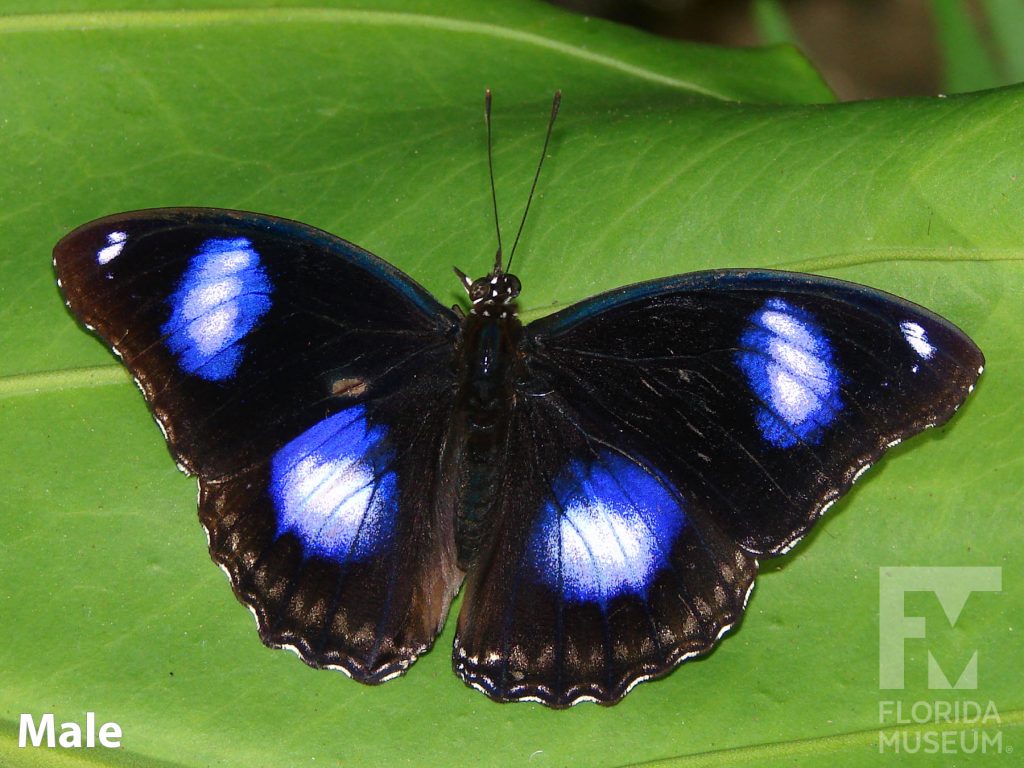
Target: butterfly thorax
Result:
[489, 362]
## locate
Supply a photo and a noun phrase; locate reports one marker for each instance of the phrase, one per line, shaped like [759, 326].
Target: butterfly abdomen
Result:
[476, 445]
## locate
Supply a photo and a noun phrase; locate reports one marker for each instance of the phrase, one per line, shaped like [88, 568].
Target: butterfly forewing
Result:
[241, 328]
[308, 384]
[763, 394]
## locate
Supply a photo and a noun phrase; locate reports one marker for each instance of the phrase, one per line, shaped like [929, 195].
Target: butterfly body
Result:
[491, 363]
[601, 483]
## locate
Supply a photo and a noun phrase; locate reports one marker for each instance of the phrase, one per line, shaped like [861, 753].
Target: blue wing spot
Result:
[608, 530]
[789, 365]
[332, 487]
[221, 297]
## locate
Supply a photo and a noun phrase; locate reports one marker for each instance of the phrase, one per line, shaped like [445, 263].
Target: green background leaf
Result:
[365, 120]
[967, 62]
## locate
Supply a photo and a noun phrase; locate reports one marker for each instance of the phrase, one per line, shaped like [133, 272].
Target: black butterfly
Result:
[604, 478]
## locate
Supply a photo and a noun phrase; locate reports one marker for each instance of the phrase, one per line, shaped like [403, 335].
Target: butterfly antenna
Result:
[490, 169]
[543, 153]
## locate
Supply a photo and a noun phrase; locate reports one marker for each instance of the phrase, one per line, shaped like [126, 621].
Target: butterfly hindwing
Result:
[600, 572]
[336, 544]
[308, 384]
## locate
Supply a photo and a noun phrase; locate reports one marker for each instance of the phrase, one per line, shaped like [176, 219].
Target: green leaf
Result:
[772, 23]
[1006, 22]
[968, 63]
[366, 120]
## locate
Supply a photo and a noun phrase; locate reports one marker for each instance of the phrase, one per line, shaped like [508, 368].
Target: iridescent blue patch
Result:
[220, 298]
[788, 362]
[333, 488]
[608, 530]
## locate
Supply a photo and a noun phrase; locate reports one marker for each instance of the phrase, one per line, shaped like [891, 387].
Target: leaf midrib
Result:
[177, 19]
[61, 380]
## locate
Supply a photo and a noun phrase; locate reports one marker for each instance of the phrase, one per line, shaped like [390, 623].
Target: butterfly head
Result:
[494, 295]
[495, 292]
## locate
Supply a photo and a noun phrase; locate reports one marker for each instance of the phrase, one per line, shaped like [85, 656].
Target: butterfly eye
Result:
[480, 289]
[514, 286]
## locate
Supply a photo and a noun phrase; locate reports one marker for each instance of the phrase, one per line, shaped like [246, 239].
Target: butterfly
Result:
[601, 483]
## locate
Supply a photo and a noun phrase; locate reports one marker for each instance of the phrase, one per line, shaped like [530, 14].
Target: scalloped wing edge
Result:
[540, 694]
[857, 470]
